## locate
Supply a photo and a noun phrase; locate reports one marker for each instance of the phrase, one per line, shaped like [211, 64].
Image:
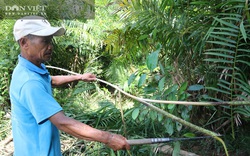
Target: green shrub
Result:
[8, 56]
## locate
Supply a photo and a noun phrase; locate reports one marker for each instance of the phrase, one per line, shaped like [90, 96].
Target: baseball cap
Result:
[35, 25]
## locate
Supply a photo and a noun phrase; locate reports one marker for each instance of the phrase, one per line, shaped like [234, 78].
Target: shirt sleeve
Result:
[38, 101]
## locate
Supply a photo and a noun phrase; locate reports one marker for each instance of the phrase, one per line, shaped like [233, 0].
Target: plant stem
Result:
[235, 103]
[175, 118]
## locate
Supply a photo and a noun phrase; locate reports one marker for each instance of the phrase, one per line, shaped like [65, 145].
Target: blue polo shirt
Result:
[32, 104]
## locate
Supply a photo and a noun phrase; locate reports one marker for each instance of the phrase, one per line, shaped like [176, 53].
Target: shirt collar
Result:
[26, 63]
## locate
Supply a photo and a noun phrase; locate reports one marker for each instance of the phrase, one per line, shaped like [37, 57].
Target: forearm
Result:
[61, 80]
[85, 132]
[78, 129]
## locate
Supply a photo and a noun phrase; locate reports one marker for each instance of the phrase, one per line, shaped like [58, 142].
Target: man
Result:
[36, 115]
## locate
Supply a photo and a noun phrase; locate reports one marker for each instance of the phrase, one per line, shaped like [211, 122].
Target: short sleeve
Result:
[38, 101]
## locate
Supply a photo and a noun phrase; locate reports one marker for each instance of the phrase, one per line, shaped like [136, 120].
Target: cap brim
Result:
[51, 31]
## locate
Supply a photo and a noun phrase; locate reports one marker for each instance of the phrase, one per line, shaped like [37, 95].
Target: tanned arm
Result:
[86, 132]
[65, 79]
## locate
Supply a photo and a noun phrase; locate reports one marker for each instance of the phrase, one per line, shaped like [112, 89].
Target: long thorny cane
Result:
[173, 117]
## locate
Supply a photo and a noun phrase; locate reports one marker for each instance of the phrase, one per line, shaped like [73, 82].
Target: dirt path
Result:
[7, 146]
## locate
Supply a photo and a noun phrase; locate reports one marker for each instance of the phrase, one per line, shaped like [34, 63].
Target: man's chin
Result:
[47, 60]
[48, 57]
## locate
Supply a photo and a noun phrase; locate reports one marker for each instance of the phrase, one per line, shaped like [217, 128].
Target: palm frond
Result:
[228, 57]
[229, 50]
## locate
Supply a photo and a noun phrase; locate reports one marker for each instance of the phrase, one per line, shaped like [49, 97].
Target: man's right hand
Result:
[117, 142]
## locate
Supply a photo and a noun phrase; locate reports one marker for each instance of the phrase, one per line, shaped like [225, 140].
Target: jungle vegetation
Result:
[171, 50]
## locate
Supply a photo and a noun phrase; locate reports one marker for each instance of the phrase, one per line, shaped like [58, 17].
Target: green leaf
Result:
[135, 113]
[172, 96]
[128, 113]
[183, 87]
[221, 50]
[184, 114]
[182, 97]
[83, 89]
[244, 62]
[171, 106]
[154, 32]
[149, 89]
[200, 3]
[189, 135]
[223, 39]
[157, 77]
[224, 33]
[243, 111]
[222, 43]
[178, 126]
[218, 60]
[142, 37]
[142, 80]
[171, 89]
[243, 56]
[161, 84]
[162, 68]
[219, 54]
[131, 78]
[160, 117]
[152, 59]
[226, 87]
[243, 31]
[177, 149]
[169, 127]
[226, 23]
[153, 115]
[218, 90]
[244, 50]
[143, 114]
[195, 87]
[226, 29]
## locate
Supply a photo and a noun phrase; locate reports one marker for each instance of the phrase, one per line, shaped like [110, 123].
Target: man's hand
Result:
[117, 142]
[87, 77]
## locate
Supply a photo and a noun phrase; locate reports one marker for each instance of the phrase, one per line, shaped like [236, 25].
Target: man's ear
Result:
[23, 42]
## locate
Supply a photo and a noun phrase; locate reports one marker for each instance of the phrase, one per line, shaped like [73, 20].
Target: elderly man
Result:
[36, 115]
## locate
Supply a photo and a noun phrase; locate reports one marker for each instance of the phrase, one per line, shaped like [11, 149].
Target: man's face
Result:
[40, 49]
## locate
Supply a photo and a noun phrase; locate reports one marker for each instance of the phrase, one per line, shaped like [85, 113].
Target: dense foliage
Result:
[155, 49]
